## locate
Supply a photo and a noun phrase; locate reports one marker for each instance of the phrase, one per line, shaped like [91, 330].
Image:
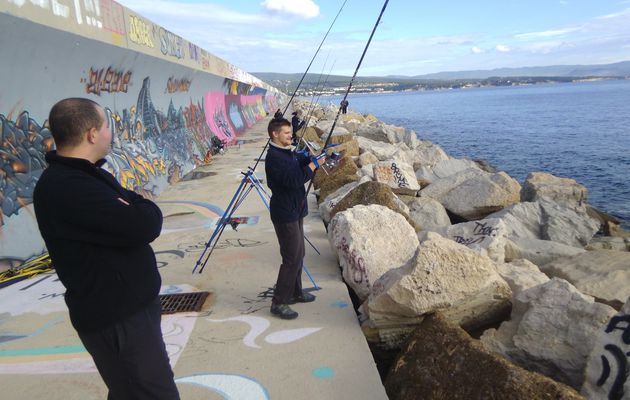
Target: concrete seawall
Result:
[164, 96]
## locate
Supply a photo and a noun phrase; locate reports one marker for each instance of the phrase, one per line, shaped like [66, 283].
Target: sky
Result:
[414, 37]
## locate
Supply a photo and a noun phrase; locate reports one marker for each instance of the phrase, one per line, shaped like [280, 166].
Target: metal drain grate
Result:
[182, 302]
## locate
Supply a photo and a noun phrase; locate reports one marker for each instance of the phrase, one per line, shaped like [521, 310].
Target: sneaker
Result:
[304, 298]
[283, 311]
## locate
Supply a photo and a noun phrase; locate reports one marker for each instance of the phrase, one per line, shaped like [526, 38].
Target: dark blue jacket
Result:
[99, 245]
[287, 172]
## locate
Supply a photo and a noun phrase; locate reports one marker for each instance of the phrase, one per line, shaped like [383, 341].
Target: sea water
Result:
[575, 130]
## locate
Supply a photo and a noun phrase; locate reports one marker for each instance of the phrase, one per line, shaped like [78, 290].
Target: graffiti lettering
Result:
[484, 230]
[193, 51]
[57, 8]
[90, 7]
[401, 181]
[177, 85]
[107, 80]
[616, 390]
[171, 44]
[355, 261]
[23, 144]
[140, 32]
[50, 296]
[468, 241]
[205, 59]
[200, 246]
[162, 263]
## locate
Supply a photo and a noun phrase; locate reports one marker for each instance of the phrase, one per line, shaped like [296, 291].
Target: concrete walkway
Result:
[234, 348]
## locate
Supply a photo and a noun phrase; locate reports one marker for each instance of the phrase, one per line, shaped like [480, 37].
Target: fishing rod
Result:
[356, 71]
[314, 102]
[301, 80]
[250, 180]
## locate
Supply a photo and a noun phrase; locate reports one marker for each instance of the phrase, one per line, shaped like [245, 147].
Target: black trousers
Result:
[131, 357]
[291, 240]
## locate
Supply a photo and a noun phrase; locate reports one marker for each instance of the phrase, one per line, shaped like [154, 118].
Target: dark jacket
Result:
[296, 124]
[98, 245]
[287, 172]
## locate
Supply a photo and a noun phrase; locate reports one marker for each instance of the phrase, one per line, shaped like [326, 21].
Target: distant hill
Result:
[620, 69]
[616, 69]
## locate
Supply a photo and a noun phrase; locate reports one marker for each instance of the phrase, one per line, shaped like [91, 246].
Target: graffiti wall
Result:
[165, 99]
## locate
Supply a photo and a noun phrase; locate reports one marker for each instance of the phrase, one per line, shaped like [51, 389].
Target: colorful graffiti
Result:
[140, 32]
[174, 85]
[23, 143]
[171, 44]
[109, 80]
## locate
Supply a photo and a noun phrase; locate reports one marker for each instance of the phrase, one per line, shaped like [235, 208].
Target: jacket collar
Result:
[280, 147]
[53, 157]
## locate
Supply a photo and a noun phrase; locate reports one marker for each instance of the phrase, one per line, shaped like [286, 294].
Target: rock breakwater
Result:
[418, 232]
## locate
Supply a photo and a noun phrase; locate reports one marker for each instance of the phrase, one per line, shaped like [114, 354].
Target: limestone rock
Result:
[486, 236]
[548, 220]
[326, 125]
[345, 167]
[367, 171]
[428, 213]
[564, 191]
[428, 154]
[329, 186]
[370, 240]
[373, 130]
[538, 251]
[473, 194]
[609, 243]
[521, 275]
[610, 225]
[396, 175]
[604, 274]
[445, 168]
[310, 134]
[372, 193]
[382, 151]
[612, 349]
[552, 331]
[446, 277]
[441, 361]
[348, 148]
[367, 158]
[329, 202]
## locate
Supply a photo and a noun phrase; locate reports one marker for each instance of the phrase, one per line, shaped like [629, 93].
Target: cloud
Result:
[545, 34]
[564, 3]
[302, 8]
[502, 48]
[476, 50]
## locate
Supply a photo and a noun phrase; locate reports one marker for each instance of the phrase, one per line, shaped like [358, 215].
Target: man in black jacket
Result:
[286, 173]
[98, 234]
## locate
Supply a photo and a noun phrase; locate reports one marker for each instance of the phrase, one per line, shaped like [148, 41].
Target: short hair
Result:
[70, 118]
[276, 124]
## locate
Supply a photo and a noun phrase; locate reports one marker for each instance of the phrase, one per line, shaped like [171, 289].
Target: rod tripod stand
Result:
[249, 182]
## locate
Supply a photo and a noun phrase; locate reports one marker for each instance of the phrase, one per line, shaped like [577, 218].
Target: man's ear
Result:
[91, 135]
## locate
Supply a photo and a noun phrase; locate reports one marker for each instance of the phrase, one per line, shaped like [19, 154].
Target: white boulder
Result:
[607, 367]
[604, 274]
[428, 213]
[445, 276]
[521, 275]
[473, 194]
[396, 175]
[370, 240]
[486, 236]
[566, 191]
[552, 331]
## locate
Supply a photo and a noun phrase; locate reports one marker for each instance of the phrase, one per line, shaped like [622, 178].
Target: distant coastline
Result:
[392, 87]
[320, 84]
